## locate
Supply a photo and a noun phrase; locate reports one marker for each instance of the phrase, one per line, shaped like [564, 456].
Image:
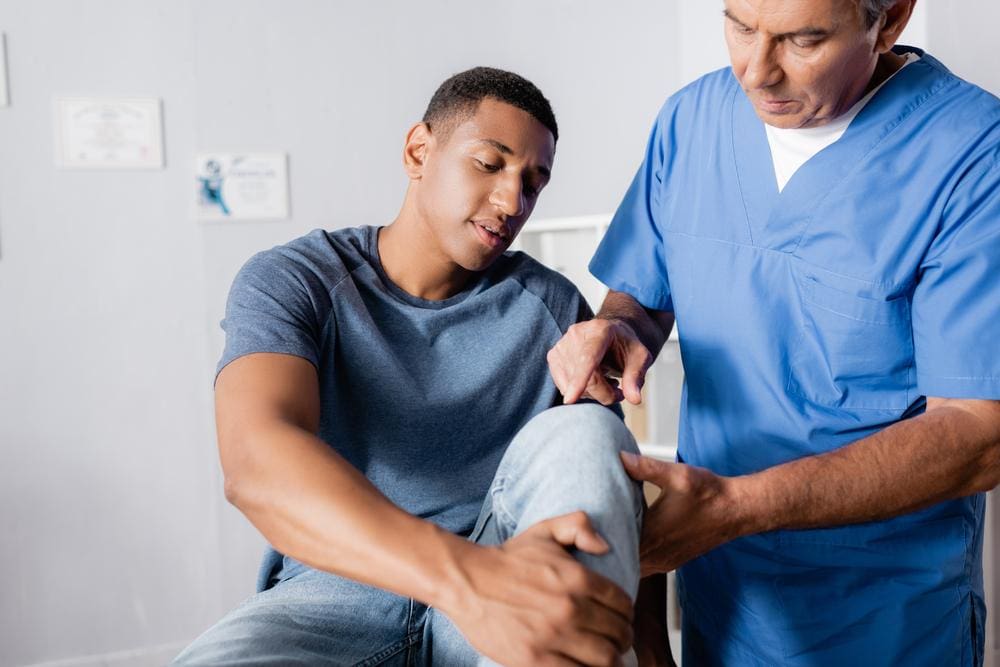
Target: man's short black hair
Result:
[459, 97]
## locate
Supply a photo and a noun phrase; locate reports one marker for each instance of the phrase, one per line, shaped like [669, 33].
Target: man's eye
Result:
[486, 166]
[806, 43]
[743, 30]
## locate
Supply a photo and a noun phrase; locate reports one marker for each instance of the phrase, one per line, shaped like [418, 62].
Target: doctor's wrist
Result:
[752, 508]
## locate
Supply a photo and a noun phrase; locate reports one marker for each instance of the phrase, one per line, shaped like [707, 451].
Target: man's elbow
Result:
[233, 489]
[236, 467]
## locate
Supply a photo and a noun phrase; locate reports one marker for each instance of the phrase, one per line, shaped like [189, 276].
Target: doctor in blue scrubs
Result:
[822, 221]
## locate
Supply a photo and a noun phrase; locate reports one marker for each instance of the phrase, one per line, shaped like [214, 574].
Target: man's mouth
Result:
[492, 233]
[775, 105]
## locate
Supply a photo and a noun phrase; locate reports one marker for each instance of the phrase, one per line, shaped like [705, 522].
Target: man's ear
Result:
[892, 24]
[419, 141]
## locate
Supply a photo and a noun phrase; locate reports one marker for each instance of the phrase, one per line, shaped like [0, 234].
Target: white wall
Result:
[116, 540]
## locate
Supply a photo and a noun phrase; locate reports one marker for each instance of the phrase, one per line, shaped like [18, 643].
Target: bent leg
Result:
[564, 460]
[314, 618]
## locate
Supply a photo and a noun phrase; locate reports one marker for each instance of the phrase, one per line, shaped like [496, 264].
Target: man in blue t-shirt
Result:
[383, 418]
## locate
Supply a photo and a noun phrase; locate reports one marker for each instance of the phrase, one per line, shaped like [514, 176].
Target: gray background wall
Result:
[118, 547]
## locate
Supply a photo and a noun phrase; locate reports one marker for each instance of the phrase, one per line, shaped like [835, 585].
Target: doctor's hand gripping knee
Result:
[587, 357]
[695, 512]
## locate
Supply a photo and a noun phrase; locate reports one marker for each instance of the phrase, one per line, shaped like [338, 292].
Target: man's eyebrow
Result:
[497, 145]
[729, 15]
[808, 31]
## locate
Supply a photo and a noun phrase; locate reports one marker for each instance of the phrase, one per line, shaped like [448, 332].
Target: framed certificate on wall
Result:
[241, 186]
[108, 133]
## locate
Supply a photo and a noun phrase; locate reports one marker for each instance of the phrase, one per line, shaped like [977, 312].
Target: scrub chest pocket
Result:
[851, 350]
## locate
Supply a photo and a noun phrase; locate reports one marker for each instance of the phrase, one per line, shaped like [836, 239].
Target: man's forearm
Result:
[652, 328]
[312, 505]
[950, 451]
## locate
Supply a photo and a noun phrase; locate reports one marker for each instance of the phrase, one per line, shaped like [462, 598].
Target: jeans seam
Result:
[389, 651]
[504, 516]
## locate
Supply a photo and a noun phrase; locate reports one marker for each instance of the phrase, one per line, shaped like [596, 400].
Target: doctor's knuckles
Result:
[622, 340]
[579, 360]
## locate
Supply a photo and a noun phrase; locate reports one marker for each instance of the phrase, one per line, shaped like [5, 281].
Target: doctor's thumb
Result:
[641, 468]
[637, 362]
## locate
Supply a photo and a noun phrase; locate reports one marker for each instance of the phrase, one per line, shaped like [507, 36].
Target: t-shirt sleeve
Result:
[630, 258]
[956, 303]
[272, 307]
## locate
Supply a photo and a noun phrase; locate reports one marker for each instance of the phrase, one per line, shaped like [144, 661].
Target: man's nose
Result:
[762, 69]
[508, 196]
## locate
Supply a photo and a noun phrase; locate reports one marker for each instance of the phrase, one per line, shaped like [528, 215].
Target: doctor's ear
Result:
[419, 140]
[892, 24]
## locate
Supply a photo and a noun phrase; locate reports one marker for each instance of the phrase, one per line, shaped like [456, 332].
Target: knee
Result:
[586, 432]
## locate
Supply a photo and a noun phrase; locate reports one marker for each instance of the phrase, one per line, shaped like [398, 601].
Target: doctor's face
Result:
[802, 63]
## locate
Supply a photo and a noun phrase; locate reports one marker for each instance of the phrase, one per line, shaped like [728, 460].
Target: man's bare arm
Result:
[950, 451]
[525, 602]
[302, 495]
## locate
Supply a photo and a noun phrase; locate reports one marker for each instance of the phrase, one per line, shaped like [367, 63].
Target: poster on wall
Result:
[242, 186]
[4, 91]
[109, 133]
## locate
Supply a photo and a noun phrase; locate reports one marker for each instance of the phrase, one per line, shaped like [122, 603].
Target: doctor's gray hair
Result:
[872, 10]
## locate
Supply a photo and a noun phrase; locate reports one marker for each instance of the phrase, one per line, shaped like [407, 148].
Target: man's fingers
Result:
[574, 530]
[637, 362]
[644, 468]
[607, 592]
[589, 649]
[603, 390]
[600, 620]
[577, 356]
[572, 380]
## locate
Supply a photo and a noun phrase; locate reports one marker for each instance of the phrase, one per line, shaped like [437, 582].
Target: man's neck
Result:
[414, 262]
[887, 64]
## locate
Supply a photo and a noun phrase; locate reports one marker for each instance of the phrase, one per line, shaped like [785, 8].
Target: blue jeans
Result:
[563, 460]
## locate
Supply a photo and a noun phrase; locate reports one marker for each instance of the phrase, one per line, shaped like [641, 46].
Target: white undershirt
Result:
[790, 149]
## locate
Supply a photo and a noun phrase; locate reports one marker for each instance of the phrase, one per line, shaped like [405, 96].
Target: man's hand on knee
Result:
[529, 602]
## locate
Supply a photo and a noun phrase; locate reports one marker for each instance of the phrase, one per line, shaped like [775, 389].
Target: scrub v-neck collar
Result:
[777, 220]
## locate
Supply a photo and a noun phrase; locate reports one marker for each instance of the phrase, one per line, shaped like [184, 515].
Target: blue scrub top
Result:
[809, 319]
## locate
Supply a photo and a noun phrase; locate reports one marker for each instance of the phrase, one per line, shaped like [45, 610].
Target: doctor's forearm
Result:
[952, 450]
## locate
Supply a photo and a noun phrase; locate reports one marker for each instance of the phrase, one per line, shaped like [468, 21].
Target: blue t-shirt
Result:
[421, 396]
[810, 318]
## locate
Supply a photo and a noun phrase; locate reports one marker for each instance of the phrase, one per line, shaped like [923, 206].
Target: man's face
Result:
[802, 63]
[479, 184]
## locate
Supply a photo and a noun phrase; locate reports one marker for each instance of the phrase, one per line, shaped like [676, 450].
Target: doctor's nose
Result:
[762, 69]
[509, 198]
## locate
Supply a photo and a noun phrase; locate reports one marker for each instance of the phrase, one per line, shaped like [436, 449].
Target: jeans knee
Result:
[585, 432]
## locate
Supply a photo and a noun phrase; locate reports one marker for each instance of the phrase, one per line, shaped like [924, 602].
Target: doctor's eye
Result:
[807, 42]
